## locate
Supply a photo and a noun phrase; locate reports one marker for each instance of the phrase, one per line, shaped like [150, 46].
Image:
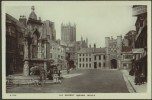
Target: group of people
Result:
[139, 76]
[54, 74]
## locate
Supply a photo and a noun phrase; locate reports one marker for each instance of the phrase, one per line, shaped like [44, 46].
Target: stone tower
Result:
[68, 33]
[119, 49]
[107, 39]
[35, 44]
[113, 49]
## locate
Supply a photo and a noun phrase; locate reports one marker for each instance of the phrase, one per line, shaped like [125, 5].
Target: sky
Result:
[93, 20]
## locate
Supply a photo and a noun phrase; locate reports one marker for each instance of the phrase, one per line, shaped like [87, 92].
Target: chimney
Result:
[23, 20]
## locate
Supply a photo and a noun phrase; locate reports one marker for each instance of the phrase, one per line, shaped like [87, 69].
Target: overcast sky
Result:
[92, 20]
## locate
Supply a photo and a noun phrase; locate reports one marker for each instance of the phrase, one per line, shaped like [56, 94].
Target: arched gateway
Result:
[113, 64]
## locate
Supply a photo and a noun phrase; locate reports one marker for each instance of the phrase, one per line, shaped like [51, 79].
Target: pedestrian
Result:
[50, 74]
[137, 77]
[55, 78]
[142, 77]
[59, 76]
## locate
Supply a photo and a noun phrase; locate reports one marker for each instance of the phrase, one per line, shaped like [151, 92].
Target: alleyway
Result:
[82, 81]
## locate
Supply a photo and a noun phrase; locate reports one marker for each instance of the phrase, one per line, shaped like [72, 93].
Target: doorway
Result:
[95, 65]
[113, 64]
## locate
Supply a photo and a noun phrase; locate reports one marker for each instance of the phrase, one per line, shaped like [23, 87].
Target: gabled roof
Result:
[15, 20]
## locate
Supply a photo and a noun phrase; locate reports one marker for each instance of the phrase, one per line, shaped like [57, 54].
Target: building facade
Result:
[91, 58]
[129, 39]
[14, 45]
[140, 51]
[58, 55]
[68, 33]
[113, 49]
[126, 58]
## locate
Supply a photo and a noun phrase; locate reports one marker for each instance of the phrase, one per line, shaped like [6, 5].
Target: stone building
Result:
[91, 58]
[140, 50]
[37, 42]
[68, 33]
[126, 58]
[14, 45]
[129, 39]
[58, 54]
[113, 48]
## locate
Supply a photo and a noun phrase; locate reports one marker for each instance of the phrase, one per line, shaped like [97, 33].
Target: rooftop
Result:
[15, 20]
[92, 50]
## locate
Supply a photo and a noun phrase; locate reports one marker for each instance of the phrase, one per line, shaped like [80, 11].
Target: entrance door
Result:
[95, 64]
[113, 64]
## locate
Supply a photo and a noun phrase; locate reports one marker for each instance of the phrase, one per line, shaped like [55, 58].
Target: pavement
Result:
[130, 83]
[81, 81]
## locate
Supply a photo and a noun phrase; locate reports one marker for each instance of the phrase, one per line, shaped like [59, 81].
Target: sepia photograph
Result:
[76, 49]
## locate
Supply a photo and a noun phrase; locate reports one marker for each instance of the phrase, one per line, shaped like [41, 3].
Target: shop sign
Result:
[139, 50]
[139, 10]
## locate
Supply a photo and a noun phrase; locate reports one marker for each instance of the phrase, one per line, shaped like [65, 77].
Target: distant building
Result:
[58, 54]
[15, 31]
[49, 30]
[68, 33]
[81, 44]
[91, 58]
[113, 52]
[140, 51]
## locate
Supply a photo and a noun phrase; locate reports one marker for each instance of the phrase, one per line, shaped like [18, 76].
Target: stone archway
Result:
[113, 64]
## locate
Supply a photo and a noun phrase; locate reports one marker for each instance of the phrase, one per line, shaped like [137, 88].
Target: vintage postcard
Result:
[76, 49]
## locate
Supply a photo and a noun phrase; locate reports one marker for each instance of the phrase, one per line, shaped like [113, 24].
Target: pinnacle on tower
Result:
[33, 8]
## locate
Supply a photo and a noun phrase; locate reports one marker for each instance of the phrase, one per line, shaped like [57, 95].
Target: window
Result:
[79, 54]
[50, 55]
[79, 65]
[83, 54]
[89, 59]
[104, 57]
[80, 59]
[83, 65]
[128, 56]
[94, 57]
[86, 65]
[86, 59]
[90, 65]
[99, 57]
[99, 64]
[104, 64]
